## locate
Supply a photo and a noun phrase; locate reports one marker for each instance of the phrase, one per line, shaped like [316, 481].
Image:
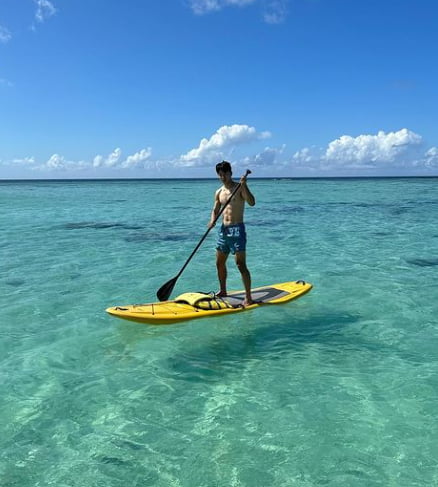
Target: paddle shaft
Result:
[211, 226]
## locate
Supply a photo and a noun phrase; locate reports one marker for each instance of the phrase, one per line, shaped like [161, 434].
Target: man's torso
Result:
[233, 213]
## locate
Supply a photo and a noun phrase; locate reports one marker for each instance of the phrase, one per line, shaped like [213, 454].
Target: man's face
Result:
[224, 176]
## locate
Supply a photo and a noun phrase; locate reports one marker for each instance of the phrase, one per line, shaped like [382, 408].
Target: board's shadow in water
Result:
[224, 355]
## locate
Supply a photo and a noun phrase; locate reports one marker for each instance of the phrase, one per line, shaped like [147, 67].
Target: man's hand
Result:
[243, 178]
[246, 193]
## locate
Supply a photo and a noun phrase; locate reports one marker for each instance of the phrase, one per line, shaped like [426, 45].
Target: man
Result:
[232, 235]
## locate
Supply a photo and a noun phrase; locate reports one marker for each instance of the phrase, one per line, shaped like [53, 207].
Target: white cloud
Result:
[110, 161]
[431, 157]
[45, 9]
[56, 162]
[392, 149]
[98, 161]
[115, 159]
[372, 149]
[270, 156]
[223, 141]
[5, 35]
[306, 156]
[201, 7]
[275, 11]
[25, 161]
[137, 158]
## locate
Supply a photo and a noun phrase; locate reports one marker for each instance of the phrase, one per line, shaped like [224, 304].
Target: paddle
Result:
[166, 289]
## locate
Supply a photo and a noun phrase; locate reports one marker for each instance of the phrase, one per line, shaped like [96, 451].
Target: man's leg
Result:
[221, 265]
[246, 276]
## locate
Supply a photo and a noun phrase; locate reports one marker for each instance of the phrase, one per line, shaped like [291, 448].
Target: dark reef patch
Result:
[99, 226]
[155, 237]
[15, 282]
[423, 262]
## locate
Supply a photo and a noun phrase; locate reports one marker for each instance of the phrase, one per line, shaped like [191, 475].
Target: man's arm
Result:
[216, 209]
[246, 193]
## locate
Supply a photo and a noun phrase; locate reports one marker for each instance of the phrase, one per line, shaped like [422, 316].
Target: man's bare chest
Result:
[226, 193]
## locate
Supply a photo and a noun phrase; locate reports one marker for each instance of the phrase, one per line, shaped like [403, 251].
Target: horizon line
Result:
[213, 178]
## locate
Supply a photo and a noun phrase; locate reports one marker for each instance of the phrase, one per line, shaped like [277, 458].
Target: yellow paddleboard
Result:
[189, 306]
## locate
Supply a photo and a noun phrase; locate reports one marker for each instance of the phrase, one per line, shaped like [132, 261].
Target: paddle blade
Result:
[165, 290]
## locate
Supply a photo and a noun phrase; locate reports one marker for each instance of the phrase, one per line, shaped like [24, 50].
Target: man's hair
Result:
[223, 166]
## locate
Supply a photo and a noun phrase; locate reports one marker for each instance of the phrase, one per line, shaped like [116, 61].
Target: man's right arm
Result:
[216, 209]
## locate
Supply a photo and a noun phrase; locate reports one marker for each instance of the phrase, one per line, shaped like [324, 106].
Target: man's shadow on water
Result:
[219, 356]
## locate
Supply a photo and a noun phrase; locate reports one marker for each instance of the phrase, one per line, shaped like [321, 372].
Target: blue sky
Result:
[167, 88]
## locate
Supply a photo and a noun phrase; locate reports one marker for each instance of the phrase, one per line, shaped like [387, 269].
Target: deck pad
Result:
[261, 295]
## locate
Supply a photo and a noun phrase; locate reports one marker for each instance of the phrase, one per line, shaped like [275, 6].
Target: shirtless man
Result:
[232, 235]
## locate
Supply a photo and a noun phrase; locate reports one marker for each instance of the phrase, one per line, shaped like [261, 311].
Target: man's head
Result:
[223, 167]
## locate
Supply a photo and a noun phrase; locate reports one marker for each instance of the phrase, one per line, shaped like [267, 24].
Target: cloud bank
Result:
[384, 153]
[114, 160]
[401, 149]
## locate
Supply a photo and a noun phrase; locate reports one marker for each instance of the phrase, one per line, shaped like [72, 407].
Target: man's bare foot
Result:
[247, 302]
[221, 294]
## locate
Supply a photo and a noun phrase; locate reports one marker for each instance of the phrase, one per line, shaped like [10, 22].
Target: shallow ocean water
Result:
[338, 388]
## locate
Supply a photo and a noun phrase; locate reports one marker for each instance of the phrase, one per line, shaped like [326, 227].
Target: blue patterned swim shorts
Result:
[231, 238]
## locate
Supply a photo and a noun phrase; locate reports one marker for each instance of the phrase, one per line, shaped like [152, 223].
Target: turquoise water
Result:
[338, 388]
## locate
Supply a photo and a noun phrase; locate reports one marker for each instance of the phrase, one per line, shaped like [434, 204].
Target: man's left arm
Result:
[246, 193]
